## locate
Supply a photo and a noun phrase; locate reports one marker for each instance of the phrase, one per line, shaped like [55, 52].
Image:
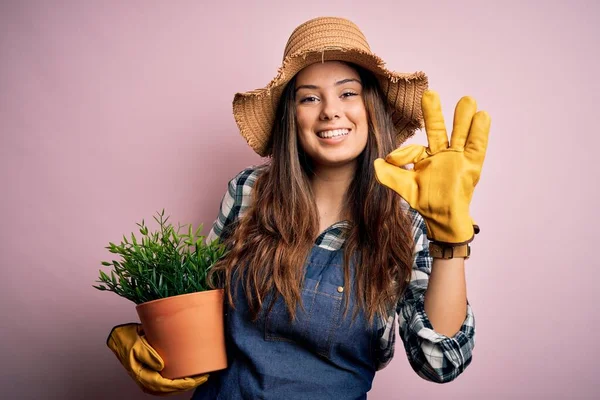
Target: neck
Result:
[329, 185]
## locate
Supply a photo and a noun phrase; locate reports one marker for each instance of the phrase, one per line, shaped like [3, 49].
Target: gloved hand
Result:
[144, 364]
[441, 184]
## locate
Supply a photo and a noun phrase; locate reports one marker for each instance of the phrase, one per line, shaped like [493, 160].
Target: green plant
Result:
[160, 264]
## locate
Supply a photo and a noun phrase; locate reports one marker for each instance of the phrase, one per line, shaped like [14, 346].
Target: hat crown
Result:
[325, 33]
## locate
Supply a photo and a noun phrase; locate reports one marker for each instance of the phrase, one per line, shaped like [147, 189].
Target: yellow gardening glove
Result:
[441, 184]
[144, 364]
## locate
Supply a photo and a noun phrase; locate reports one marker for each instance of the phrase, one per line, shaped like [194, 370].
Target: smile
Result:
[333, 133]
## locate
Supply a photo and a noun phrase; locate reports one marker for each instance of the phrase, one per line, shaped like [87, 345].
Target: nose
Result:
[330, 109]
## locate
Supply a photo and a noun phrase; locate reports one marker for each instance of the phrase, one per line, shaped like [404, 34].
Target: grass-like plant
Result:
[160, 264]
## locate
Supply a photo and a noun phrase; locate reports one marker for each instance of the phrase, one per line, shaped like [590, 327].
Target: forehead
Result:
[326, 73]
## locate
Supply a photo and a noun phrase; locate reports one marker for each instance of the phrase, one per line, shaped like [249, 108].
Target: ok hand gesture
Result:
[441, 184]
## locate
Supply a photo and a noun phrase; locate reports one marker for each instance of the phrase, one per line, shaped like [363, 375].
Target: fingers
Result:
[477, 141]
[434, 122]
[196, 380]
[185, 384]
[399, 180]
[463, 116]
[152, 382]
[410, 154]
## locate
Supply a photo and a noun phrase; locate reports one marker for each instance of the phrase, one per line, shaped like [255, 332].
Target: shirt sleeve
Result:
[433, 356]
[233, 204]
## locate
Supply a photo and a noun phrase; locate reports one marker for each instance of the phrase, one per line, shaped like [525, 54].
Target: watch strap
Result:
[447, 252]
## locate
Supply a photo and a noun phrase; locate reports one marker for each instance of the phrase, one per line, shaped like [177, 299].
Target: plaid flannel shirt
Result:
[433, 356]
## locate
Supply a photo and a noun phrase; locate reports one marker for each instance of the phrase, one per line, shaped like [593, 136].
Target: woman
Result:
[322, 252]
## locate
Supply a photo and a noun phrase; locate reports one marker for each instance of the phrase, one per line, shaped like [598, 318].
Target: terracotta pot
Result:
[187, 331]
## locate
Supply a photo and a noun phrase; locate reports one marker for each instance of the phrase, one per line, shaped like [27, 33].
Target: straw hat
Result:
[319, 40]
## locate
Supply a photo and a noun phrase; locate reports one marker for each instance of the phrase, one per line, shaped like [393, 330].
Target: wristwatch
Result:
[446, 252]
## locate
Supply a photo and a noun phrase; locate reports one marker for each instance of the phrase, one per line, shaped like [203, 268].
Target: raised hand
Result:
[441, 184]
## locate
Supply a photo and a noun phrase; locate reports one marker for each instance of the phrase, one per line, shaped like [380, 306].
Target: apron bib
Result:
[322, 354]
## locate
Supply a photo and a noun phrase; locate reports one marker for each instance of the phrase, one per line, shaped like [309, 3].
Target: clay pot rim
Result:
[178, 296]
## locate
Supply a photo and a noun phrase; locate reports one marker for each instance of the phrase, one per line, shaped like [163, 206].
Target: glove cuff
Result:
[112, 331]
[450, 235]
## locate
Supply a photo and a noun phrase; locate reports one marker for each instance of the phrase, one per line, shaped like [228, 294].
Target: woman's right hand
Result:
[144, 364]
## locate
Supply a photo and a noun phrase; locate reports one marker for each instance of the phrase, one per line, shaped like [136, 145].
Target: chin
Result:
[337, 161]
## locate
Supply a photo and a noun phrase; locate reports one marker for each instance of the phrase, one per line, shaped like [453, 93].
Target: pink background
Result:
[110, 112]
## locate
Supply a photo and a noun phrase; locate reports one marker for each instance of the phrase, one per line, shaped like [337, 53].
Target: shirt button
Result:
[340, 289]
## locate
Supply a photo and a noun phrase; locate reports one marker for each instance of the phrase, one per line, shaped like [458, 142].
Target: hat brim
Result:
[254, 111]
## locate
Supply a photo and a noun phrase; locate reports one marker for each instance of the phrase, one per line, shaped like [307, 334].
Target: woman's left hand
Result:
[441, 184]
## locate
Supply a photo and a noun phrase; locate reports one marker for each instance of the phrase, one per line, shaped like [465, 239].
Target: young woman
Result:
[323, 254]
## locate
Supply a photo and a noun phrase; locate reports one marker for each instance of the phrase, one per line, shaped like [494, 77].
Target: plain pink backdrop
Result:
[110, 111]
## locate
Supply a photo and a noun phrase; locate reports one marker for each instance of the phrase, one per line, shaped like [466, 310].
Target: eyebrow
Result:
[338, 83]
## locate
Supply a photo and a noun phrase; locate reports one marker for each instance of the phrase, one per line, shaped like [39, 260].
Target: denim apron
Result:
[321, 355]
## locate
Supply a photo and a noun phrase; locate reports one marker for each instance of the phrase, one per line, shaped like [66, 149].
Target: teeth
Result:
[333, 133]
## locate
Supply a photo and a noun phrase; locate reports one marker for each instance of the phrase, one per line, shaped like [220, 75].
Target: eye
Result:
[309, 99]
[349, 94]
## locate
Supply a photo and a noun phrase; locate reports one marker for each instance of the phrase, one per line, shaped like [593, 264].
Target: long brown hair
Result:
[270, 243]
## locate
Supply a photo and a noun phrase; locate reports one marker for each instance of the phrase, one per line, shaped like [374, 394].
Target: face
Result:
[331, 114]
